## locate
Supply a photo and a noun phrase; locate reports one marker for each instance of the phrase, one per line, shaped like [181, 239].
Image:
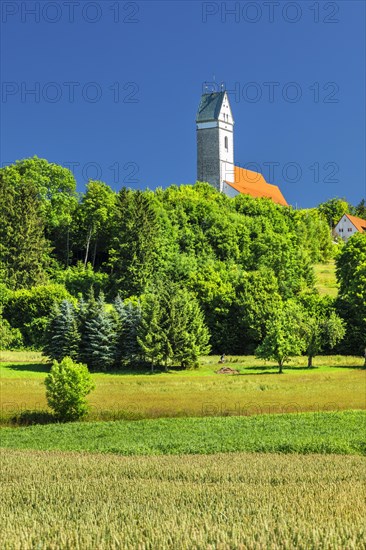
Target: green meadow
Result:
[325, 278]
[330, 432]
[336, 383]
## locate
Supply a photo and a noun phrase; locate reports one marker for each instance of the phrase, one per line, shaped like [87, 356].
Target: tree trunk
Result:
[310, 361]
[152, 368]
[94, 252]
[280, 364]
[67, 246]
[87, 247]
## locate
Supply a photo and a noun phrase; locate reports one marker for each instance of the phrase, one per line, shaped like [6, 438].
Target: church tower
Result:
[215, 140]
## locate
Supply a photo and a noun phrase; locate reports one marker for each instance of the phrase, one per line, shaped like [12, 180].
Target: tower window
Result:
[226, 143]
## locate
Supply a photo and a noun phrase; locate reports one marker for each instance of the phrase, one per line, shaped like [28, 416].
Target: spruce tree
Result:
[129, 319]
[137, 243]
[172, 328]
[194, 336]
[24, 250]
[99, 337]
[150, 334]
[62, 336]
[88, 310]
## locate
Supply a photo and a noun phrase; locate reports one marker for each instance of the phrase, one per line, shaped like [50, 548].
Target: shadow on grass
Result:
[29, 418]
[33, 367]
[266, 370]
[129, 372]
[145, 370]
[357, 367]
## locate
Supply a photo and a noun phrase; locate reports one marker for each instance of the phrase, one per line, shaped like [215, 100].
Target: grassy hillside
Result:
[326, 282]
[65, 500]
[337, 384]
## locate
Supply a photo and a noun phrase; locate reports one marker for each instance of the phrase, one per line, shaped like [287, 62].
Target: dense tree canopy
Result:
[351, 274]
[55, 187]
[238, 260]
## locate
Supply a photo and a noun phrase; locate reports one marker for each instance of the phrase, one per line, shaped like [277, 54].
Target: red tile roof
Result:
[254, 184]
[359, 223]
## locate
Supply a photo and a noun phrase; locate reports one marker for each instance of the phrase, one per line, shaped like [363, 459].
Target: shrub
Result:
[10, 338]
[28, 310]
[67, 386]
[79, 279]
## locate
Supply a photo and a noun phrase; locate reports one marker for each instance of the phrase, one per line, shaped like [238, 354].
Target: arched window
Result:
[226, 143]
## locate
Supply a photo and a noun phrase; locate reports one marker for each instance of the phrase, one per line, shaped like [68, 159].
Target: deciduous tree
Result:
[284, 335]
[351, 303]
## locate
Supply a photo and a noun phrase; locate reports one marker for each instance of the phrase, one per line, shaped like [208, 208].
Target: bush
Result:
[29, 310]
[67, 386]
[79, 280]
[5, 294]
[10, 338]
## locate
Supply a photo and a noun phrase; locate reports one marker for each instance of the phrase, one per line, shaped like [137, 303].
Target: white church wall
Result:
[226, 142]
[229, 191]
[215, 147]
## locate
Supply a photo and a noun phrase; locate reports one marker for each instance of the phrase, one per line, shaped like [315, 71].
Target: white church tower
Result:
[215, 140]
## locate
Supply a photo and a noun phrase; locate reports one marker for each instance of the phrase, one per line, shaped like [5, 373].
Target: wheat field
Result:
[78, 501]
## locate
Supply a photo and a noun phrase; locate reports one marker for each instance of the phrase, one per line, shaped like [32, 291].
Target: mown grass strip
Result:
[331, 432]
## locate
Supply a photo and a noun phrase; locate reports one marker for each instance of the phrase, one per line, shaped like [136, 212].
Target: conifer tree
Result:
[172, 327]
[24, 250]
[195, 336]
[129, 319]
[99, 337]
[137, 241]
[87, 311]
[150, 334]
[62, 336]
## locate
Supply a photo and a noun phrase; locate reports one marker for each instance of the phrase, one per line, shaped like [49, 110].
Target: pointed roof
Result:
[252, 183]
[210, 106]
[359, 223]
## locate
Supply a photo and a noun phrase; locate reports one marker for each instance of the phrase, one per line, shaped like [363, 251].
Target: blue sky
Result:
[117, 86]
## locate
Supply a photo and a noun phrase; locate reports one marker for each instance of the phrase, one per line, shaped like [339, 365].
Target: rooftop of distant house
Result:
[359, 223]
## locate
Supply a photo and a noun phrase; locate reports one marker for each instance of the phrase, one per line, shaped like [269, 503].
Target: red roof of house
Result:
[254, 184]
[359, 223]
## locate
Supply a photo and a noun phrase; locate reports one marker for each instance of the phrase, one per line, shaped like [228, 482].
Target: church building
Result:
[215, 153]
